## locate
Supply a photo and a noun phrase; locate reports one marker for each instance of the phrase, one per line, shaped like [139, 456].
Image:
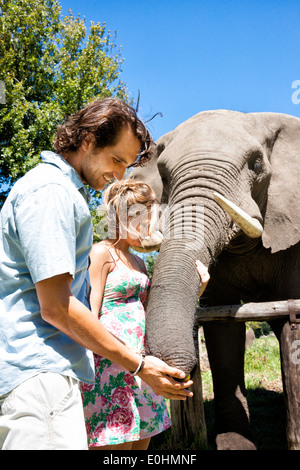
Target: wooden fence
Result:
[265, 311]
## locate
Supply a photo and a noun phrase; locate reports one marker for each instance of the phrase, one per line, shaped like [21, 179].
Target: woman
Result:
[122, 411]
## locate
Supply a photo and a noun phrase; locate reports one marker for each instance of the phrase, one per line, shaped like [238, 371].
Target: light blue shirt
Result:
[46, 230]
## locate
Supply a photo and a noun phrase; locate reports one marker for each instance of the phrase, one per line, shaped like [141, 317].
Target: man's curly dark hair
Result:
[103, 119]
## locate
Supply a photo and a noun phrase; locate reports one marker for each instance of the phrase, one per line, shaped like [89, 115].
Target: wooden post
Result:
[290, 366]
[188, 420]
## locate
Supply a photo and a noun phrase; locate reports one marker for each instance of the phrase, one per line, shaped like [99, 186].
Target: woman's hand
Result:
[204, 276]
[162, 379]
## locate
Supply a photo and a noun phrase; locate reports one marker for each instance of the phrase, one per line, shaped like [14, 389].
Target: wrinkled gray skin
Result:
[253, 160]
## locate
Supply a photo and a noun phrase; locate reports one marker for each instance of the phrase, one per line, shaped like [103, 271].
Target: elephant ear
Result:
[282, 217]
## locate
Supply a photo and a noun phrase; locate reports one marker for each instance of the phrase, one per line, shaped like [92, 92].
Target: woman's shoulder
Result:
[102, 260]
[101, 250]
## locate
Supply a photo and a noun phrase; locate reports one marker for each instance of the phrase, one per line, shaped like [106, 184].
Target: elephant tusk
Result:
[154, 239]
[150, 243]
[250, 226]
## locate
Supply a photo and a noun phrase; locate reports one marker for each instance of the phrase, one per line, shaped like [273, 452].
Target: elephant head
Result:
[250, 160]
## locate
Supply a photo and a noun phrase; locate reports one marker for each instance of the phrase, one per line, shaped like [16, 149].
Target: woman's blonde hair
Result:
[120, 196]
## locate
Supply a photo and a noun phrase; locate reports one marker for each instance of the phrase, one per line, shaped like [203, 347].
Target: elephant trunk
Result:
[175, 285]
[173, 295]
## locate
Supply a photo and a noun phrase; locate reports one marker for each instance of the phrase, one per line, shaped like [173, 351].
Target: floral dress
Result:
[118, 407]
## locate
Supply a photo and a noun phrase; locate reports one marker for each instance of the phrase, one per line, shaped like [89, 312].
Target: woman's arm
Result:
[101, 264]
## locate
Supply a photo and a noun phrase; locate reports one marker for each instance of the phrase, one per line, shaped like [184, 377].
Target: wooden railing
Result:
[264, 311]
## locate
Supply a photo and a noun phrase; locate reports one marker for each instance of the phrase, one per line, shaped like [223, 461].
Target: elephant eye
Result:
[255, 164]
[165, 184]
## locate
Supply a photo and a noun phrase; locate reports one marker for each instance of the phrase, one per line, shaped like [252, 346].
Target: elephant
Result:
[241, 170]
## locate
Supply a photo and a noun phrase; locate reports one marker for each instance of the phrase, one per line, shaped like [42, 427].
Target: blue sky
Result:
[193, 55]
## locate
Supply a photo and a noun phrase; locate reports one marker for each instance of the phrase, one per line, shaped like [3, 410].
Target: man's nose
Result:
[119, 174]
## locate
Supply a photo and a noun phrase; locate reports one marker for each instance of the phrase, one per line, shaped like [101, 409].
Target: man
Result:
[47, 332]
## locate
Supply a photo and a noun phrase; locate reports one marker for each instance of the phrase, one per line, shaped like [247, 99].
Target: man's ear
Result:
[88, 142]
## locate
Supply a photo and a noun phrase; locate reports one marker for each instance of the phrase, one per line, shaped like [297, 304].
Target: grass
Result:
[265, 400]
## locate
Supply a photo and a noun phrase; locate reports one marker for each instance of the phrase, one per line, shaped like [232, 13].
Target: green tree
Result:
[150, 260]
[51, 66]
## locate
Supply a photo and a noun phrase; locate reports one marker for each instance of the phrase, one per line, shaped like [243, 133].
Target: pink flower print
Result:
[121, 396]
[120, 421]
[114, 326]
[138, 331]
[129, 380]
[131, 291]
[88, 428]
[97, 361]
[166, 421]
[103, 400]
[99, 429]
[86, 387]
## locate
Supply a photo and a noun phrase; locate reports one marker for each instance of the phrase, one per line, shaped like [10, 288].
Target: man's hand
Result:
[162, 379]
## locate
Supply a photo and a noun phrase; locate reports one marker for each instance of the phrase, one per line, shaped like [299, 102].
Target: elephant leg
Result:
[225, 344]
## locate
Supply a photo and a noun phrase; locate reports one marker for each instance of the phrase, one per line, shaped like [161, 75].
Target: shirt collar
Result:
[67, 169]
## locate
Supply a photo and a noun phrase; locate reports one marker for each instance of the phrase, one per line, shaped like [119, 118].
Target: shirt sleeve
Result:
[45, 221]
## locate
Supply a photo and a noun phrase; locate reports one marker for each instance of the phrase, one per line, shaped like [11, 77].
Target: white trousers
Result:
[43, 413]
